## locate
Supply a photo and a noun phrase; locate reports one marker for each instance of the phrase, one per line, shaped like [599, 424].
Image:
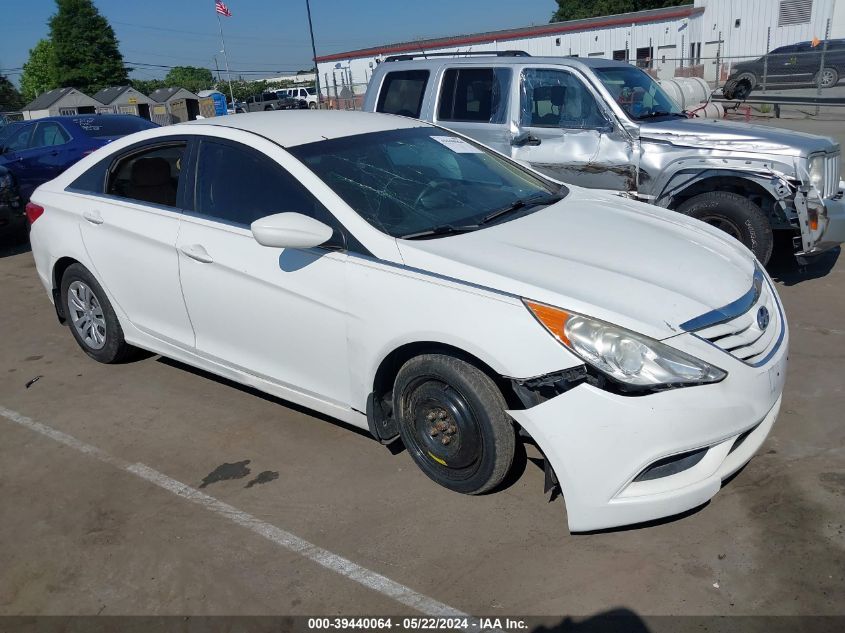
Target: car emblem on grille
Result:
[763, 317]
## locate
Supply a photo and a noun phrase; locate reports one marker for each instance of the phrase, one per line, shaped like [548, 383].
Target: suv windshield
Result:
[425, 182]
[639, 95]
[98, 126]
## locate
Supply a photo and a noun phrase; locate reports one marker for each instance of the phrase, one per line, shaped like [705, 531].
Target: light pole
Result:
[314, 53]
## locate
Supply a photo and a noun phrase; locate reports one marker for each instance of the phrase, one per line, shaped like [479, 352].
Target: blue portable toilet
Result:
[219, 101]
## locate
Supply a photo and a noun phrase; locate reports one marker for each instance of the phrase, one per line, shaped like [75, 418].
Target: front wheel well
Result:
[380, 404]
[744, 187]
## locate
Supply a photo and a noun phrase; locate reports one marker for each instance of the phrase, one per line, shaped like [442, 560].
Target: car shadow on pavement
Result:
[260, 394]
[785, 269]
[613, 621]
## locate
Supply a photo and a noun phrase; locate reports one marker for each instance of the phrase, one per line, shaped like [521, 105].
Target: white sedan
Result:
[409, 281]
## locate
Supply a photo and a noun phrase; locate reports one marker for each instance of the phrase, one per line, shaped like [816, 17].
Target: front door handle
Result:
[197, 252]
[93, 217]
[526, 138]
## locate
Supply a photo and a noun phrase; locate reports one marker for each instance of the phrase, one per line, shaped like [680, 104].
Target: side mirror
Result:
[290, 230]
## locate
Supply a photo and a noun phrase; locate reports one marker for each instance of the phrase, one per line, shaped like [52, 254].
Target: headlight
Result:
[625, 356]
[816, 173]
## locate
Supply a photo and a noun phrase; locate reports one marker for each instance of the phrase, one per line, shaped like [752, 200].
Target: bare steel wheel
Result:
[91, 318]
[452, 420]
[86, 315]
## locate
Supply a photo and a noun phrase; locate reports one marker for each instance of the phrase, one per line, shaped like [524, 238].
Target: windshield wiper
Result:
[652, 115]
[521, 203]
[441, 230]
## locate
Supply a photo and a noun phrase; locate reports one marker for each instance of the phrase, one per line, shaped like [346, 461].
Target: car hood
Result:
[622, 261]
[729, 135]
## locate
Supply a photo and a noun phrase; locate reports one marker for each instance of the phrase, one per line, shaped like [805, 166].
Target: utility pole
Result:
[314, 53]
[217, 66]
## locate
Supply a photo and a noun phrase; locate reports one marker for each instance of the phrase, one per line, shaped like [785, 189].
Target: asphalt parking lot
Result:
[152, 488]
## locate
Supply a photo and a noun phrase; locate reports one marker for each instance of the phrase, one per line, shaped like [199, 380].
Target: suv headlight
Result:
[624, 356]
[815, 172]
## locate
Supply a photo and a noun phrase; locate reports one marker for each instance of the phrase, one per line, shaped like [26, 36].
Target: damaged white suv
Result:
[409, 281]
[606, 124]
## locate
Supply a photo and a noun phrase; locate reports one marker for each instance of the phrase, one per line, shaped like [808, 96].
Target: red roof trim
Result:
[498, 36]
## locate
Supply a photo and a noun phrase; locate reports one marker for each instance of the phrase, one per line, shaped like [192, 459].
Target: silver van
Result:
[609, 125]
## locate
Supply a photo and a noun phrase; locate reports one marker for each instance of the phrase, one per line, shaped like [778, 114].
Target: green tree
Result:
[10, 98]
[86, 49]
[241, 88]
[39, 72]
[578, 9]
[146, 86]
[190, 77]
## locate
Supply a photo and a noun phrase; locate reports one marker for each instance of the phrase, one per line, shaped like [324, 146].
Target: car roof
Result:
[297, 127]
[504, 60]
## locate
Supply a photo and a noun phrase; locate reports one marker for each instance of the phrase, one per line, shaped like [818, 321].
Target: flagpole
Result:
[226, 59]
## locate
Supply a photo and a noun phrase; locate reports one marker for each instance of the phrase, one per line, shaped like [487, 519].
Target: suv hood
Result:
[728, 135]
[632, 264]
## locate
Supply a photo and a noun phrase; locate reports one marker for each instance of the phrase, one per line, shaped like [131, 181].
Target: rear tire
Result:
[452, 419]
[827, 78]
[735, 215]
[91, 318]
[312, 106]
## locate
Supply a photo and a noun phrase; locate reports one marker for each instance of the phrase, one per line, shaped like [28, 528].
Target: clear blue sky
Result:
[269, 35]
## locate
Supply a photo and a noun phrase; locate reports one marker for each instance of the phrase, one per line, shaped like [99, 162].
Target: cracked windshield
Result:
[418, 183]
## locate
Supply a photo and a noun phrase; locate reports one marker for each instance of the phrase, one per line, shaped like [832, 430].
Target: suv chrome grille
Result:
[831, 175]
[741, 329]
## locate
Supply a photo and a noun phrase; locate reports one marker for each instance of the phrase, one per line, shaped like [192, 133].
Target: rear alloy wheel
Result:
[735, 215]
[827, 78]
[452, 420]
[312, 106]
[91, 318]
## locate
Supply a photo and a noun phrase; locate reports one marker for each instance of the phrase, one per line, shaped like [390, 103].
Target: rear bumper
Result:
[599, 443]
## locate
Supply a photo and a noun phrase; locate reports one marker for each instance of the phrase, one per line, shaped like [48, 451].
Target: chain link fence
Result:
[802, 80]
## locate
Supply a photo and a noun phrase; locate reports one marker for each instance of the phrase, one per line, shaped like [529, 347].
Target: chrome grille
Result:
[735, 328]
[831, 175]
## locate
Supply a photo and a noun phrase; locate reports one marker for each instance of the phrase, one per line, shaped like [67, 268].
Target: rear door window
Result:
[402, 93]
[149, 176]
[49, 134]
[477, 95]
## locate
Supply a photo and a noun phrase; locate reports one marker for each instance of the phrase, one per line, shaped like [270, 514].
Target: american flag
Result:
[222, 9]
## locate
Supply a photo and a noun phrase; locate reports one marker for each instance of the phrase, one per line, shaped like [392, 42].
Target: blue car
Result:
[38, 151]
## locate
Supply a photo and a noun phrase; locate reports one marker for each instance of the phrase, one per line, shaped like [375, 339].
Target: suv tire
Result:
[735, 215]
[452, 420]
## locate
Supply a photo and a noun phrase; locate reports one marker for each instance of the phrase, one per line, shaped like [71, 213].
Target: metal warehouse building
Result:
[703, 38]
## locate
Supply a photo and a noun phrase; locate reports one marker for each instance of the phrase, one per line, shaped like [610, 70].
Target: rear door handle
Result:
[197, 252]
[93, 217]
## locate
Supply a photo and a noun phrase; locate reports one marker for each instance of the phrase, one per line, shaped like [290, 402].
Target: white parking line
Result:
[339, 565]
